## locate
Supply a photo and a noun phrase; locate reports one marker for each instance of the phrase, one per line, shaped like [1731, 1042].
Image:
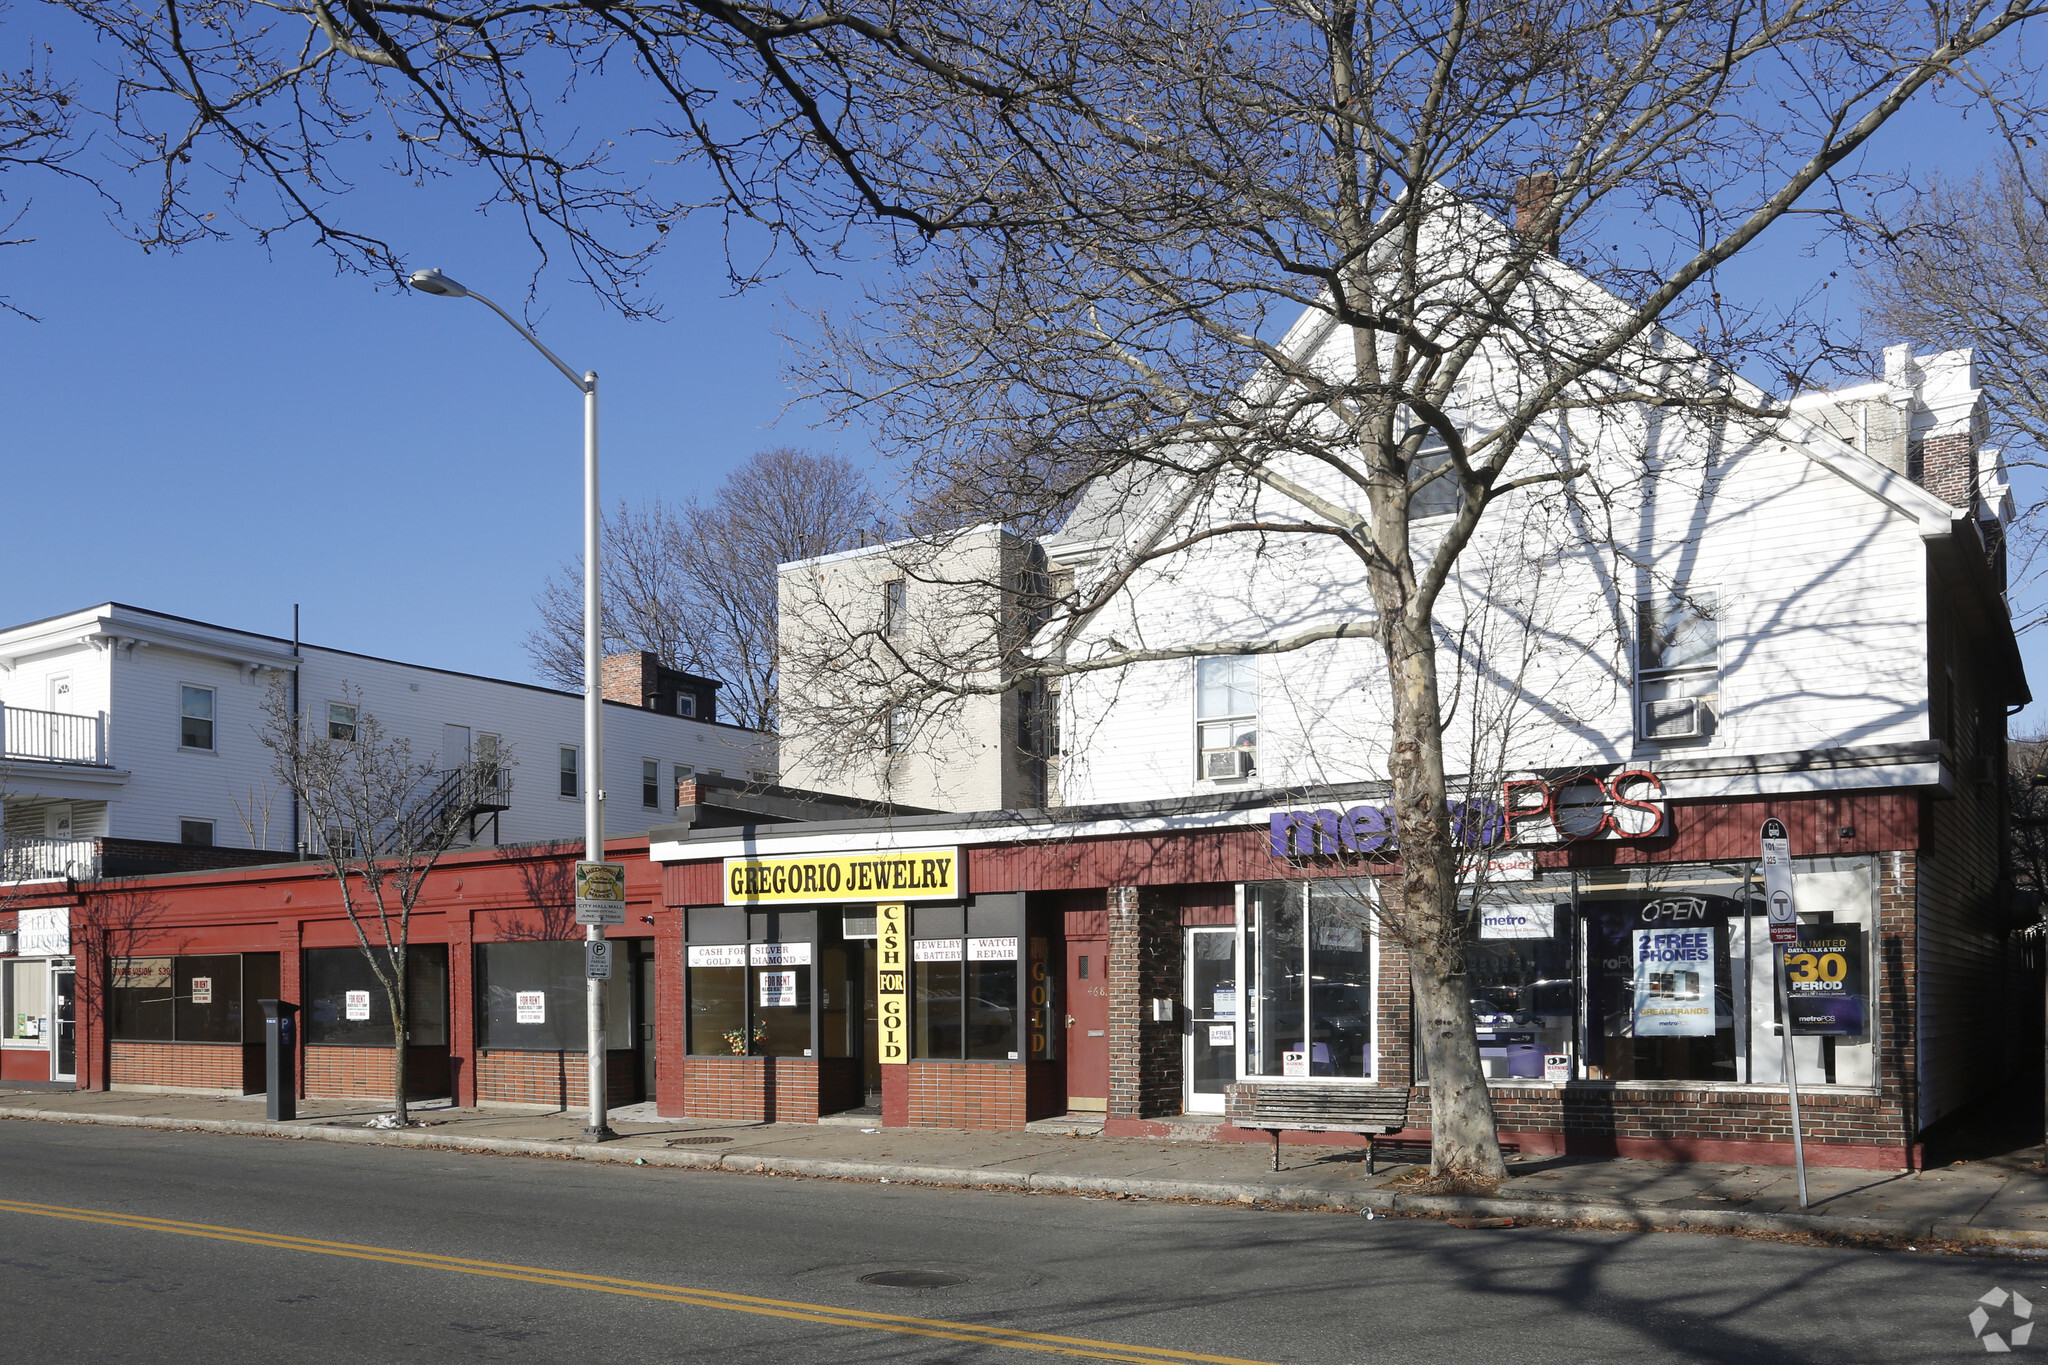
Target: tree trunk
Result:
[1464, 1144]
[398, 1040]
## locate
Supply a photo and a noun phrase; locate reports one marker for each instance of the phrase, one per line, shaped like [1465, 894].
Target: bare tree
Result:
[1966, 265]
[37, 125]
[1367, 279]
[381, 820]
[695, 584]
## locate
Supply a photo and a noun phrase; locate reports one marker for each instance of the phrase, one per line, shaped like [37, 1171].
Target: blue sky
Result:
[225, 431]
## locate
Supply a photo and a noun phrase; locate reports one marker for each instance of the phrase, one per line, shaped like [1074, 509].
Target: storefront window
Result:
[779, 984]
[533, 997]
[345, 1004]
[1661, 1002]
[195, 999]
[1524, 995]
[1308, 946]
[25, 1000]
[966, 980]
[718, 998]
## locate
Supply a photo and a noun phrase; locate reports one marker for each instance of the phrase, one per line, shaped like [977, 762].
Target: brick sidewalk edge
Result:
[1630, 1217]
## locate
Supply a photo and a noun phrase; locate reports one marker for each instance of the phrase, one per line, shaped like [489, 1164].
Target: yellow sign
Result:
[892, 982]
[911, 874]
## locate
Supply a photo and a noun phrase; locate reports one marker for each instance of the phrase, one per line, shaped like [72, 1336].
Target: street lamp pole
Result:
[434, 282]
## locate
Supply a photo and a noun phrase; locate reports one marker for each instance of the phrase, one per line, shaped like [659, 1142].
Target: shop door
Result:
[1210, 1060]
[860, 986]
[643, 1019]
[1087, 1023]
[63, 1015]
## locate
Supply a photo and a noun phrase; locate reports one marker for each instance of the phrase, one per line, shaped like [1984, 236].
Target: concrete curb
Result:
[1626, 1217]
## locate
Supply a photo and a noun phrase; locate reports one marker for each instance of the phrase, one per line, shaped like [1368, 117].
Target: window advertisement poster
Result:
[778, 990]
[779, 955]
[1294, 1064]
[936, 950]
[1825, 981]
[356, 1005]
[1517, 921]
[718, 955]
[1223, 1003]
[530, 1007]
[1674, 983]
[202, 990]
[991, 950]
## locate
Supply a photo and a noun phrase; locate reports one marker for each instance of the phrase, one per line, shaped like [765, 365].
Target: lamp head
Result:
[434, 282]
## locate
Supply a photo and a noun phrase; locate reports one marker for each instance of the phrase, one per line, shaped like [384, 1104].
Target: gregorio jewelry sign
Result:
[915, 874]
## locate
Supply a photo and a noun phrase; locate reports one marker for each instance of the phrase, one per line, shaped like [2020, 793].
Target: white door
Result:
[60, 692]
[1209, 1058]
[57, 821]
[454, 746]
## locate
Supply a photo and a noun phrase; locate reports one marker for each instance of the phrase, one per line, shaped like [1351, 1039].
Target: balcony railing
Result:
[40, 859]
[53, 736]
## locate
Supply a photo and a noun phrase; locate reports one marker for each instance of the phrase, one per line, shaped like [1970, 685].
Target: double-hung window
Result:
[1226, 717]
[1678, 667]
[569, 787]
[650, 783]
[895, 602]
[195, 718]
[341, 722]
[1441, 495]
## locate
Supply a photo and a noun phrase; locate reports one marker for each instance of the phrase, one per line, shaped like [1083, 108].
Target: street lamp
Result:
[434, 282]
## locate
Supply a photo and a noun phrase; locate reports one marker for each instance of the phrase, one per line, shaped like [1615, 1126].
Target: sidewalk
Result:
[2000, 1202]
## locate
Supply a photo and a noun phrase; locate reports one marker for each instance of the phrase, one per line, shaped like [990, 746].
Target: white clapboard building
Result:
[129, 742]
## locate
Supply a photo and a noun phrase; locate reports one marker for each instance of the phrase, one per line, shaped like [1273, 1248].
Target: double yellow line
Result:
[822, 1314]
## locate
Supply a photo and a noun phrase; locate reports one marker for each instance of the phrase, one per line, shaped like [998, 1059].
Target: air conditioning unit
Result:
[1219, 765]
[1678, 718]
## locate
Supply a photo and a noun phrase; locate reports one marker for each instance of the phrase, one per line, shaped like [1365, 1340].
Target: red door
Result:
[1087, 1021]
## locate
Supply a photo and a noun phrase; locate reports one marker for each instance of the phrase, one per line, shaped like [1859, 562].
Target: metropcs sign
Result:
[1533, 810]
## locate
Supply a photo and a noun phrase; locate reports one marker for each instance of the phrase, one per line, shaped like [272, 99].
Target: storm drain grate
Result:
[914, 1279]
[696, 1141]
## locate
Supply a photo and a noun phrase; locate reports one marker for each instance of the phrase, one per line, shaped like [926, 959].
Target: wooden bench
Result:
[1368, 1111]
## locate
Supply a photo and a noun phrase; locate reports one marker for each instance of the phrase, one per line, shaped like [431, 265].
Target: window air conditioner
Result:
[1223, 764]
[1678, 718]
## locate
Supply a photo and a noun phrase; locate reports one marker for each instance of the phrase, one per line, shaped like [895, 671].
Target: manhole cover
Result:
[913, 1279]
[696, 1141]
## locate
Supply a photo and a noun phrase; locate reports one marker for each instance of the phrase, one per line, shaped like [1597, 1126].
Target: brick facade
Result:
[349, 1073]
[764, 1089]
[198, 1066]
[966, 1094]
[551, 1078]
[1144, 965]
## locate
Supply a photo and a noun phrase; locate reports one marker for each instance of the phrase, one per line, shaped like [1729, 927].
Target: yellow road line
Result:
[825, 1314]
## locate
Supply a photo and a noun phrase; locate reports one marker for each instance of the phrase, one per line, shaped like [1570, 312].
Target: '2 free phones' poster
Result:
[1674, 986]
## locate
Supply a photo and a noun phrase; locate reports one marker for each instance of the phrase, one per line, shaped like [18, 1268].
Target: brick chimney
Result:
[1946, 466]
[628, 678]
[1533, 194]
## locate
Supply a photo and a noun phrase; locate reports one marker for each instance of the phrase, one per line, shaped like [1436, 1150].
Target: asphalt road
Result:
[88, 1274]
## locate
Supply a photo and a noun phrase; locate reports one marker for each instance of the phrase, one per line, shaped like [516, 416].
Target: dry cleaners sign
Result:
[911, 874]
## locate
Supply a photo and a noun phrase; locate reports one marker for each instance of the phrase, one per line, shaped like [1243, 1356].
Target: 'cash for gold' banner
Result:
[911, 874]
[892, 983]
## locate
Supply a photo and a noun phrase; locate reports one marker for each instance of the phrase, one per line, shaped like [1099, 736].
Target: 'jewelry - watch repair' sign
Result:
[911, 874]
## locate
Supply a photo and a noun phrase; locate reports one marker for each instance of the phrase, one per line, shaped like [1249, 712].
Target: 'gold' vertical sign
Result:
[892, 982]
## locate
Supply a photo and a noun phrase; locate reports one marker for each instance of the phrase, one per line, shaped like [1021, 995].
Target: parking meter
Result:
[280, 1059]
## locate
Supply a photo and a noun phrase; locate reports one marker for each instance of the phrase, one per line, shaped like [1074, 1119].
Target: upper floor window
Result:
[896, 728]
[686, 703]
[341, 722]
[1441, 496]
[895, 602]
[1227, 717]
[197, 833]
[650, 783]
[1678, 666]
[569, 785]
[195, 718]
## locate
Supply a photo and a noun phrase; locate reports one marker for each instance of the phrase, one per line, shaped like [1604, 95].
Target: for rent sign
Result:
[918, 874]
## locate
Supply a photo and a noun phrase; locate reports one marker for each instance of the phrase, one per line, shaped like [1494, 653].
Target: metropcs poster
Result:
[1674, 983]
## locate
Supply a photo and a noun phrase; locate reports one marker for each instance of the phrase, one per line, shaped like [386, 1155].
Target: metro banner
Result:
[911, 874]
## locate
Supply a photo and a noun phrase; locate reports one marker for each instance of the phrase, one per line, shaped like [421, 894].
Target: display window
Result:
[967, 981]
[345, 1004]
[1667, 974]
[197, 998]
[767, 983]
[534, 997]
[25, 1000]
[1310, 962]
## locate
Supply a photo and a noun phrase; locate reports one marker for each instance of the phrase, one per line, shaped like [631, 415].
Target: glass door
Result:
[1210, 1059]
[63, 1018]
